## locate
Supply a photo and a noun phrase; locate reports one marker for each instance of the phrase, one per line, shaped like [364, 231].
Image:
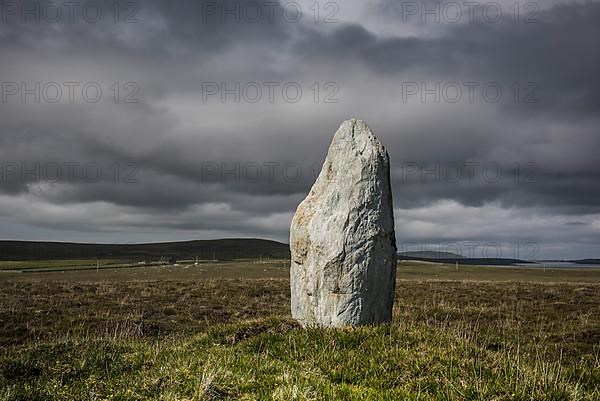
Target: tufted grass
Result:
[225, 339]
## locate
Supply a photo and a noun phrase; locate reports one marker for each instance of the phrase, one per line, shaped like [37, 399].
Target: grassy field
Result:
[223, 331]
[53, 264]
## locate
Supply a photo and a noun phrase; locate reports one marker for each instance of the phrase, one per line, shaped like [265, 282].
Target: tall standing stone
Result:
[343, 247]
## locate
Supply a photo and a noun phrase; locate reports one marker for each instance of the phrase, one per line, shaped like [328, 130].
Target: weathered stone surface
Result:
[342, 238]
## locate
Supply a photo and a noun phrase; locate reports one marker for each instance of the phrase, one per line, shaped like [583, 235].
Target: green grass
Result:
[53, 264]
[185, 334]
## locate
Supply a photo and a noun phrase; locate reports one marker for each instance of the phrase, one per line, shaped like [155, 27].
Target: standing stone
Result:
[343, 247]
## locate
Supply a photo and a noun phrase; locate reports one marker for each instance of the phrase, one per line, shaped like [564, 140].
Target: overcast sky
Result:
[490, 115]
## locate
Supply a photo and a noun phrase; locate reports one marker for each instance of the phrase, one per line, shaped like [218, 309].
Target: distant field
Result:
[277, 269]
[204, 270]
[42, 264]
[411, 270]
[223, 331]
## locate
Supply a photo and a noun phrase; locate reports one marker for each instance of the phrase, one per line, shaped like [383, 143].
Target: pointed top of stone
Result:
[355, 137]
[353, 128]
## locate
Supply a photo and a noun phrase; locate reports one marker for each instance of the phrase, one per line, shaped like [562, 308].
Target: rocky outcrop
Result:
[342, 240]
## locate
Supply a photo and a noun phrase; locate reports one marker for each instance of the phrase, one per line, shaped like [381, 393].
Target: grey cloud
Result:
[171, 133]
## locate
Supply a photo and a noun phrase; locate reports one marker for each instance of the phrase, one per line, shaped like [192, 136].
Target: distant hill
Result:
[451, 258]
[430, 255]
[587, 261]
[220, 249]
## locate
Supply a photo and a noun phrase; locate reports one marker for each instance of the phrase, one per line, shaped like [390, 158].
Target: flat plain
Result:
[223, 331]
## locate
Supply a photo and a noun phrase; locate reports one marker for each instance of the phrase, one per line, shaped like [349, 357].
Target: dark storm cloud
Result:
[149, 28]
[559, 53]
[175, 140]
